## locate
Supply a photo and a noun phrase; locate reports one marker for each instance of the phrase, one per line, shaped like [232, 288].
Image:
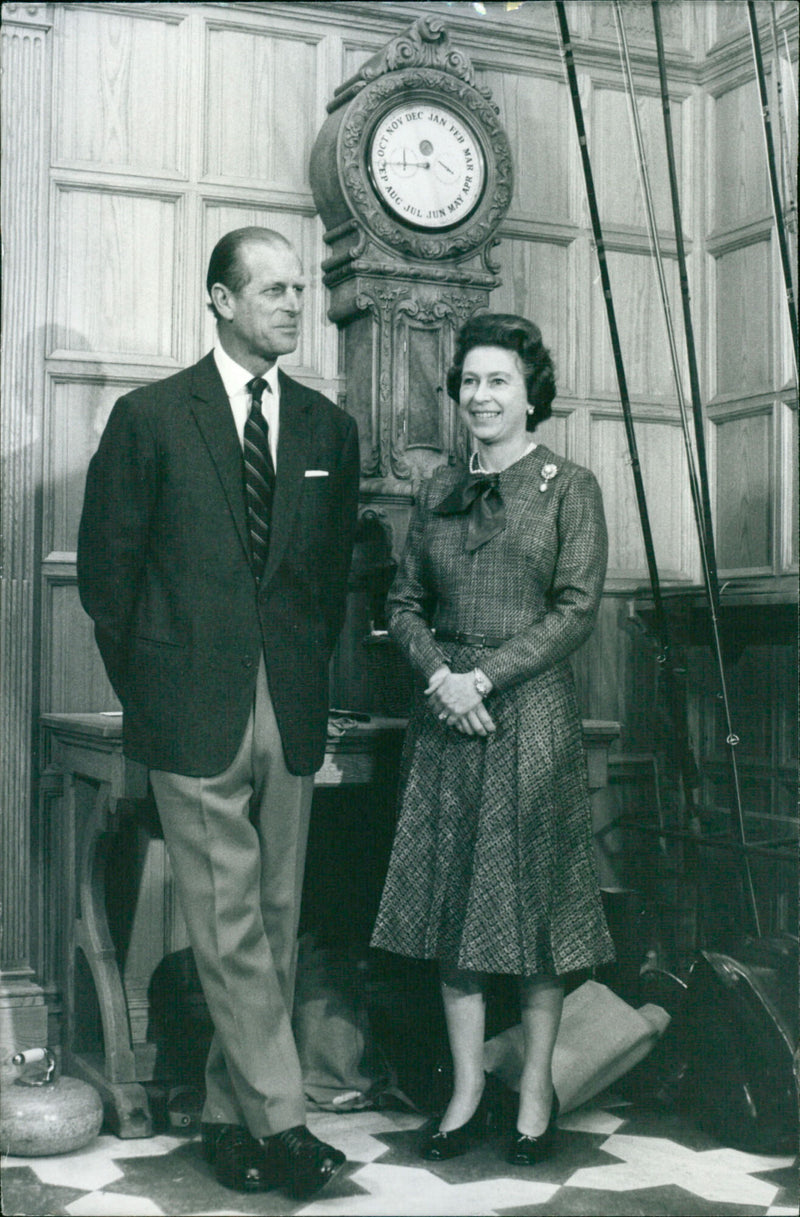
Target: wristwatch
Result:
[483, 686]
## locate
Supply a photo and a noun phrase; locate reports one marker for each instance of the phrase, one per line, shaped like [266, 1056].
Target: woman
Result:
[492, 868]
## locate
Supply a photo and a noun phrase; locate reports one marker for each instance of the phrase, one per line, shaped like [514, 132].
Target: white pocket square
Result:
[316, 473]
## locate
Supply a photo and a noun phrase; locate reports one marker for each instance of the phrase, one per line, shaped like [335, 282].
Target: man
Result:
[213, 555]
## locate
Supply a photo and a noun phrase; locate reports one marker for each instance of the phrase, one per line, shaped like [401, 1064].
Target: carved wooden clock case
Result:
[411, 174]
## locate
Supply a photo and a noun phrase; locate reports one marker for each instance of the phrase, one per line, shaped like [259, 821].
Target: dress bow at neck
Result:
[478, 494]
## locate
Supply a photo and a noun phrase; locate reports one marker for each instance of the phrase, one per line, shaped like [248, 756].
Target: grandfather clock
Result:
[411, 174]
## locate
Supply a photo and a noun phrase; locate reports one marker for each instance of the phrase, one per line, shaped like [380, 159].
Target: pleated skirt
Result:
[493, 866]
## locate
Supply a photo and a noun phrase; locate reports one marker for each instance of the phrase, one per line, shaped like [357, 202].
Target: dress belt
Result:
[470, 640]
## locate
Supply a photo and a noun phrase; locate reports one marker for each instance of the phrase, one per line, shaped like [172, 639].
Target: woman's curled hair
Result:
[516, 334]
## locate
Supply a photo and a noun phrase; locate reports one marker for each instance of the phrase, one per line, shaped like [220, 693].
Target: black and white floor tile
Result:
[608, 1160]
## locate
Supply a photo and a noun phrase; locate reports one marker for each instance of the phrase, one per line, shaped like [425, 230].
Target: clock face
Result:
[426, 165]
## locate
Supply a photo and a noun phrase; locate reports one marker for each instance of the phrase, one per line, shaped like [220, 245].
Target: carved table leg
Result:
[114, 1075]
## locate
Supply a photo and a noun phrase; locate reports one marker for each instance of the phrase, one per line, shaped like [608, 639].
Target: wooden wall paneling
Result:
[705, 308]
[665, 477]
[642, 328]
[557, 433]
[675, 20]
[727, 26]
[255, 130]
[615, 164]
[538, 280]
[114, 291]
[73, 676]
[729, 20]
[79, 407]
[744, 510]
[783, 349]
[787, 486]
[355, 51]
[123, 75]
[741, 185]
[744, 330]
[72, 673]
[535, 112]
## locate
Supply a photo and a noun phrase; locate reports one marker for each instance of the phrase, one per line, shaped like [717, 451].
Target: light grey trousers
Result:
[237, 845]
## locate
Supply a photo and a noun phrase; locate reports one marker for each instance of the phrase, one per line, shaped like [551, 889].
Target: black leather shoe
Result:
[299, 1162]
[528, 1151]
[237, 1158]
[441, 1146]
[209, 1135]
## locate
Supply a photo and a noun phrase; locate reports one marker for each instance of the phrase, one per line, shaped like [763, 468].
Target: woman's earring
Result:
[531, 409]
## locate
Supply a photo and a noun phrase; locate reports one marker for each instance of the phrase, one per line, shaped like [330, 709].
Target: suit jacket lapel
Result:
[293, 441]
[212, 410]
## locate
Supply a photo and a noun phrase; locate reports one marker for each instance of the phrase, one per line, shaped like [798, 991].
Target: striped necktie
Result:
[259, 476]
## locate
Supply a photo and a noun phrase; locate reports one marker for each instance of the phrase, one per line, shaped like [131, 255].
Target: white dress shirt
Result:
[235, 378]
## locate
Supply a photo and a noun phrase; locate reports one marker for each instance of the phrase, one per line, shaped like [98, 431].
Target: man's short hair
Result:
[225, 266]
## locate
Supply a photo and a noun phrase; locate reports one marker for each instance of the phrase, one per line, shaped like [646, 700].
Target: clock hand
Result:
[446, 168]
[406, 164]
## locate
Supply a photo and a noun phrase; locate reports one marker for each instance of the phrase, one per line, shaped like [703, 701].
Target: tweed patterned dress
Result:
[492, 867]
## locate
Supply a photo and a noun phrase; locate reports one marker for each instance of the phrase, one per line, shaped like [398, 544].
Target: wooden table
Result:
[99, 787]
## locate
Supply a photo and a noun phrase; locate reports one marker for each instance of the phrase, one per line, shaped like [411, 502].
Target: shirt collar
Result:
[235, 378]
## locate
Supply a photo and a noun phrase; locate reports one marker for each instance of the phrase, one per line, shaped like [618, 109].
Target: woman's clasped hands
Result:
[453, 698]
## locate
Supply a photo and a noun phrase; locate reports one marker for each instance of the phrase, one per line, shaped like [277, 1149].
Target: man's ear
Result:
[221, 296]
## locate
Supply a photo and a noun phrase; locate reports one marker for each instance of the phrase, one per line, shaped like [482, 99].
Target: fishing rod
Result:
[700, 502]
[691, 349]
[688, 768]
[777, 208]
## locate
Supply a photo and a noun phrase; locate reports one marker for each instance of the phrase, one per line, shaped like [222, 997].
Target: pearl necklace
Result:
[475, 465]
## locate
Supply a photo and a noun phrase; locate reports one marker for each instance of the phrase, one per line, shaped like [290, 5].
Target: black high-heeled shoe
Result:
[441, 1146]
[528, 1151]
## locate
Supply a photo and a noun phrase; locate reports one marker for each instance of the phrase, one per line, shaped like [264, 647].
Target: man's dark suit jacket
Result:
[164, 570]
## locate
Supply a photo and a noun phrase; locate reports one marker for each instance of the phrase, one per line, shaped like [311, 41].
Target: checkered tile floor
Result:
[609, 1159]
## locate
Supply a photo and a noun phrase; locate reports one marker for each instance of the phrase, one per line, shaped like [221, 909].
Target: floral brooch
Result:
[548, 473]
